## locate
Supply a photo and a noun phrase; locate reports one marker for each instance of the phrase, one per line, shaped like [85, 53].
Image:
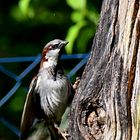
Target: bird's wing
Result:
[28, 111]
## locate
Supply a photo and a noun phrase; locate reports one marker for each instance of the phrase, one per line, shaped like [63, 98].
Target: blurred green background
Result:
[26, 26]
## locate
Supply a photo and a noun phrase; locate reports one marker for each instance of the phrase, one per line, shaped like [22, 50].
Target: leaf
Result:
[26, 9]
[77, 16]
[72, 35]
[24, 5]
[77, 4]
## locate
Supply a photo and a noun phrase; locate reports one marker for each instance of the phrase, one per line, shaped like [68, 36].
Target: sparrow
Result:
[50, 91]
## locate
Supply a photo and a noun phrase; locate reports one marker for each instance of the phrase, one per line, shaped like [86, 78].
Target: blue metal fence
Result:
[18, 78]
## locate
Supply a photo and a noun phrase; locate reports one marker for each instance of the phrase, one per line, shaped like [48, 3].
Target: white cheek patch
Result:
[52, 53]
[51, 57]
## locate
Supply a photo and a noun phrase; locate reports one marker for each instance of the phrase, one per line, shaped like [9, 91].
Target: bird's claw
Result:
[76, 84]
[62, 135]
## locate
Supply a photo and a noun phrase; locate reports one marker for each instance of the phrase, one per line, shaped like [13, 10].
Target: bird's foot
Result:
[62, 135]
[76, 84]
[65, 134]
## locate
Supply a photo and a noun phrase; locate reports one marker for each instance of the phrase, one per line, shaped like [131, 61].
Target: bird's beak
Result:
[63, 44]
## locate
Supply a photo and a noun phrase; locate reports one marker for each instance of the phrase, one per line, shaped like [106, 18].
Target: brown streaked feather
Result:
[28, 112]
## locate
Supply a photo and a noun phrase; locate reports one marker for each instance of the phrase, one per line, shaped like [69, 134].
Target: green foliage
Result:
[73, 34]
[81, 16]
[77, 5]
[24, 6]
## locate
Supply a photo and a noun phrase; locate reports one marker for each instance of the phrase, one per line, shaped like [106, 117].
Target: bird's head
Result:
[51, 52]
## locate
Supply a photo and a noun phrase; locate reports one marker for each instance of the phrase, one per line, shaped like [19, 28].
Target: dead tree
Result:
[107, 103]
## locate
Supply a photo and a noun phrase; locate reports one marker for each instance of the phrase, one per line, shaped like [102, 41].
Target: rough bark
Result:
[107, 103]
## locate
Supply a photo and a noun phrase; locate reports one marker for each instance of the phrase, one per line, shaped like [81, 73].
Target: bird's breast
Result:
[53, 96]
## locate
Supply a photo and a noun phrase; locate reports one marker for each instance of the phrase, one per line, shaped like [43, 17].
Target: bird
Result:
[50, 91]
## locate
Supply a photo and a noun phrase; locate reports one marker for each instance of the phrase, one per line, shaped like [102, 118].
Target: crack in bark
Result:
[114, 27]
[131, 76]
[113, 45]
[136, 7]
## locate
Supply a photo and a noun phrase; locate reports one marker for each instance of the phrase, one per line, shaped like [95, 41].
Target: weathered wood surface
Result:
[107, 103]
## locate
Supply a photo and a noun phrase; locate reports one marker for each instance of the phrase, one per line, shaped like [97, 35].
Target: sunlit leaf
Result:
[77, 16]
[24, 4]
[77, 4]
[72, 35]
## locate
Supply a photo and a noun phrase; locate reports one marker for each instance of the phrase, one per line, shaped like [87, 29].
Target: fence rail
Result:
[35, 60]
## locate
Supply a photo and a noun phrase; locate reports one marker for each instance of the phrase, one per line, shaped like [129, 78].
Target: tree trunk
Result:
[107, 103]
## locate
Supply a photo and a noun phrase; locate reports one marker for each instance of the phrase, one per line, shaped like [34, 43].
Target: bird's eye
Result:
[54, 46]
